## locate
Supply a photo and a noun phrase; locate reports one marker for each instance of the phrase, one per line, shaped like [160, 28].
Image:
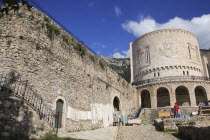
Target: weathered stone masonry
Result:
[56, 71]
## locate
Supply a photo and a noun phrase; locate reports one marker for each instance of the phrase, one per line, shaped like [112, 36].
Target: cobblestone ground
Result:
[108, 133]
[140, 132]
[143, 132]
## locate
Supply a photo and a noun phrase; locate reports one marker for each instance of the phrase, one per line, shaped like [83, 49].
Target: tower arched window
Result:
[189, 52]
[197, 55]
[139, 59]
[147, 55]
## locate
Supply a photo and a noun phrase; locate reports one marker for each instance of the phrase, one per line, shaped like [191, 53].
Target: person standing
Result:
[176, 109]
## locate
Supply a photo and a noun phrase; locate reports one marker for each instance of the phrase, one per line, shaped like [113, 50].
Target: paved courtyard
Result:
[143, 132]
[140, 132]
[108, 133]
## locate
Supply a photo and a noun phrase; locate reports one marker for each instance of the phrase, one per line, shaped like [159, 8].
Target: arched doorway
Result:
[116, 113]
[200, 95]
[145, 99]
[182, 96]
[116, 104]
[59, 112]
[163, 98]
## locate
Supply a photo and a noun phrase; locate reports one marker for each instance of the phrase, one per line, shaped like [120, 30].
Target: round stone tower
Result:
[165, 53]
[167, 68]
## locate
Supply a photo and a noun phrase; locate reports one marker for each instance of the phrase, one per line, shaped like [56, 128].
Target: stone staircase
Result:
[135, 113]
[15, 87]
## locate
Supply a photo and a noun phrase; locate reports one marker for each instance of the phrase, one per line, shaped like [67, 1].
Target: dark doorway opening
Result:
[200, 95]
[163, 98]
[182, 96]
[59, 111]
[145, 99]
[116, 104]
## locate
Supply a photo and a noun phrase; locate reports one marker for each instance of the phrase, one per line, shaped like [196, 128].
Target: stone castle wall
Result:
[169, 52]
[56, 70]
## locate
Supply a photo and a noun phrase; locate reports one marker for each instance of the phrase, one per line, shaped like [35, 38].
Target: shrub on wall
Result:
[80, 49]
[66, 39]
[101, 63]
[46, 19]
[52, 29]
[92, 57]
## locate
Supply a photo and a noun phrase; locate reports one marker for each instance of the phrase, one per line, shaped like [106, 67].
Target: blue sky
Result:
[107, 26]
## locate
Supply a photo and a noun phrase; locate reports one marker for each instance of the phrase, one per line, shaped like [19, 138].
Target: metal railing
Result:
[171, 78]
[24, 92]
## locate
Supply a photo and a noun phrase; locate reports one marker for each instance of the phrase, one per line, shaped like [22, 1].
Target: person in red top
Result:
[176, 109]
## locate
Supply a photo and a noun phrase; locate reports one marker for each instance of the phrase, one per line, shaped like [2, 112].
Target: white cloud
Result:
[99, 45]
[126, 53]
[118, 55]
[200, 26]
[91, 4]
[123, 54]
[117, 11]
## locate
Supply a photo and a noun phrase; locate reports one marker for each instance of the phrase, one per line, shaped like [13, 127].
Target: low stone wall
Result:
[18, 120]
[172, 124]
[149, 115]
[194, 132]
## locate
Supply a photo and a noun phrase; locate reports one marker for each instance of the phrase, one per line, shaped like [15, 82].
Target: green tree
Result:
[14, 5]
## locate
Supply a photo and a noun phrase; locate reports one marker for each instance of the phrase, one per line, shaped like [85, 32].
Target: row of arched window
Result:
[182, 97]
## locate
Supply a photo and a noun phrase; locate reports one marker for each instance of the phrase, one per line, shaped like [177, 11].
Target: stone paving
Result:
[143, 132]
[108, 133]
[140, 132]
